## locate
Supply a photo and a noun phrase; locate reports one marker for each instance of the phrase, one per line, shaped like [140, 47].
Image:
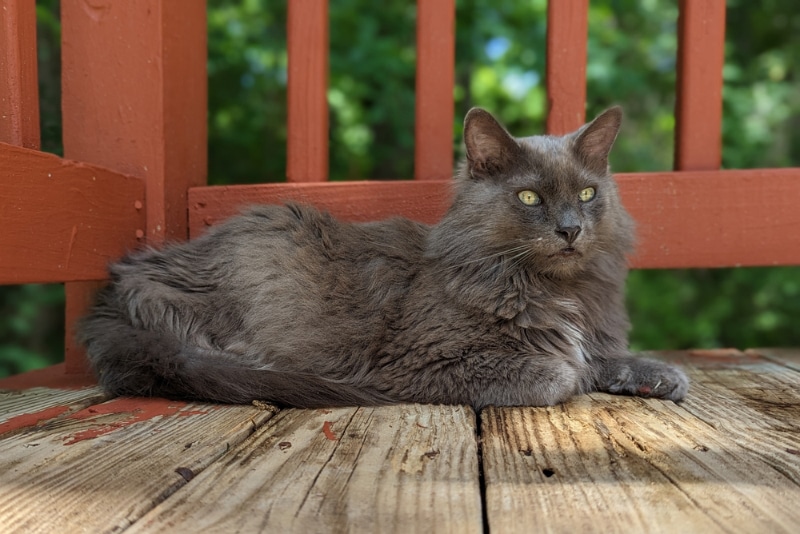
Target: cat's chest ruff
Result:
[557, 324]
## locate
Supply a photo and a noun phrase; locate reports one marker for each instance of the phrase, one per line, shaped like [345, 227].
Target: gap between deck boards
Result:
[727, 458]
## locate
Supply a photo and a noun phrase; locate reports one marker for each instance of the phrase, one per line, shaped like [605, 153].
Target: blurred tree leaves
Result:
[500, 65]
[32, 328]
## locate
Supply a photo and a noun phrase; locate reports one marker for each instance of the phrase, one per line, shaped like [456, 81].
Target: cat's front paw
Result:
[648, 378]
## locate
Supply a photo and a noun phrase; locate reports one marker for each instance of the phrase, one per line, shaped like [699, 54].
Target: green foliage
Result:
[715, 308]
[32, 331]
[500, 65]
[247, 91]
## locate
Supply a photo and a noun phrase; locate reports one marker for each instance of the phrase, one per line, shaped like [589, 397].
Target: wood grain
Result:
[33, 407]
[307, 91]
[757, 406]
[629, 465]
[790, 357]
[393, 469]
[684, 219]
[724, 460]
[565, 75]
[698, 93]
[19, 80]
[63, 220]
[434, 107]
[101, 468]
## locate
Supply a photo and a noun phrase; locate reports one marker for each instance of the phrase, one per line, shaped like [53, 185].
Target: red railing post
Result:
[698, 106]
[565, 72]
[134, 100]
[307, 51]
[19, 86]
[434, 113]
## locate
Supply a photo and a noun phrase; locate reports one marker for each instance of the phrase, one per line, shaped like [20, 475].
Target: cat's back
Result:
[302, 238]
[308, 283]
[291, 255]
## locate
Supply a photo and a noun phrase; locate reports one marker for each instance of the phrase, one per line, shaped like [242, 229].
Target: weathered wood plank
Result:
[29, 408]
[635, 465]
[101, 468]
[393, 469]
[752, 401]
[786, 356]
[63, 220]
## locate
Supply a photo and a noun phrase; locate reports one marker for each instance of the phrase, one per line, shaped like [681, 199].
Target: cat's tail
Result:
[135, 362]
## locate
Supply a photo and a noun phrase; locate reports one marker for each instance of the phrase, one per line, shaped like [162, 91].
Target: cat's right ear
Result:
[490, 148]
[594, 140]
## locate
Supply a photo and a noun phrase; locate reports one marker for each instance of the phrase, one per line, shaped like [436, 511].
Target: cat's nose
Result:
[569, 233]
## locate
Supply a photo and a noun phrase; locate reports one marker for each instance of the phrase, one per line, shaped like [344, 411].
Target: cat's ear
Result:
[594, 140]
[490, 148]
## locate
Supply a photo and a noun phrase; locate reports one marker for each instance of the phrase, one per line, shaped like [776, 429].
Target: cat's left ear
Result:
[594, 140]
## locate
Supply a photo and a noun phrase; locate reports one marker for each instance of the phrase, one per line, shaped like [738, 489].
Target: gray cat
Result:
[514, 298]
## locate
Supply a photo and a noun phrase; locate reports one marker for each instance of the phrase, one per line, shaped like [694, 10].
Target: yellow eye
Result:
[587, 194]
[529, 198]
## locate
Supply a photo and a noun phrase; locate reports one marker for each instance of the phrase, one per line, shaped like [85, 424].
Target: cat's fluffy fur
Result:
[501, 303]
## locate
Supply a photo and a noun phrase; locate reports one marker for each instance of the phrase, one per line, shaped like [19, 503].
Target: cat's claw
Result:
[648, 378]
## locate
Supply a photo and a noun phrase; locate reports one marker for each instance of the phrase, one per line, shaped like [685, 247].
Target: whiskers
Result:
[516, 256]
[519, 259]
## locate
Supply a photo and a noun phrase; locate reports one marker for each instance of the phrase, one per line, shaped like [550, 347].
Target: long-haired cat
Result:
[514, 298]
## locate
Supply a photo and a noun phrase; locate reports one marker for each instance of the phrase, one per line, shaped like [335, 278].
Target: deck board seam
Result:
[324, 464]
[778, 361]
[181, 484]
[360, 446]
[766, 460]
[481, 474]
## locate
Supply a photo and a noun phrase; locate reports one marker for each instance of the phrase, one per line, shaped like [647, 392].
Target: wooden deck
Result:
[725, 460]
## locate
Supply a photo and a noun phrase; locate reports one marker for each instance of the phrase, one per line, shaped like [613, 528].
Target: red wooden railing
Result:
[134, 108]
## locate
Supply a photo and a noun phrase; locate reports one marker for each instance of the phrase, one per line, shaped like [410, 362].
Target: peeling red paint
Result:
[132, 409]
[143, 408]
[32, 419]
[326, 429]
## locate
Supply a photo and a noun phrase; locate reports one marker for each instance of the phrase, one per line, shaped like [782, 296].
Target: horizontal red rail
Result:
[61, 220]
[684, 219]
[352, 201]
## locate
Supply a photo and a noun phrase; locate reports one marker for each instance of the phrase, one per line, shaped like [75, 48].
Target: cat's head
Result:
[546, 202]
